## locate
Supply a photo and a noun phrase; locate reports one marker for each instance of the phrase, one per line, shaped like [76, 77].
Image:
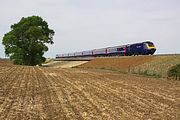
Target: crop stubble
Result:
[45, 93]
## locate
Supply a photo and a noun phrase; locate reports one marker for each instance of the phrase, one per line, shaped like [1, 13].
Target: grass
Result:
[156, 66]
[174, 72]
[48, 60]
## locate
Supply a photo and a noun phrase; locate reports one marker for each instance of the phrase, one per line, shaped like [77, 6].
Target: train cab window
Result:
[150, 44]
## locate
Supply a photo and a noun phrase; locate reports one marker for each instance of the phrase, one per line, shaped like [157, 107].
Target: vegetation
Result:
[174, 72]
[158, 67]
[155, 66]
[25, 43]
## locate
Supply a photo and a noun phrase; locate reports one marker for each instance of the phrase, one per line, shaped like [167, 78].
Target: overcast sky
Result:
[88, 24]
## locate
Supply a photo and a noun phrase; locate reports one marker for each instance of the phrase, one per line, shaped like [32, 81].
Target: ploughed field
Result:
[54, 94]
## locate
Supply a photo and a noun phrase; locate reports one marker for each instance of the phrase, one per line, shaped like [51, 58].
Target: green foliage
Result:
[25, 43]
[146, 73]
[174, 72]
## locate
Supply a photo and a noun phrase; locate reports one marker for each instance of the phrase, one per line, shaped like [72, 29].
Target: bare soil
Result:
[64, 64]
[5, 62]
[55, 94]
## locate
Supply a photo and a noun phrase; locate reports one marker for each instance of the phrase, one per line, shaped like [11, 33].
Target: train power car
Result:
[143, 48]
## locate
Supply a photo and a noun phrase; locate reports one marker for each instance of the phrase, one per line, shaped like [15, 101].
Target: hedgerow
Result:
[174, 72]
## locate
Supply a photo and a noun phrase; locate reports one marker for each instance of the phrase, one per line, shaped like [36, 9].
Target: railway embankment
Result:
[156, 66]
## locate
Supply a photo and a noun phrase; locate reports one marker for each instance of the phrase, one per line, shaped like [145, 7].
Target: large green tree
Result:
[25, 44]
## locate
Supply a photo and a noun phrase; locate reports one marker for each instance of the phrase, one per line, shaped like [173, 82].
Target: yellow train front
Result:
[150, 48]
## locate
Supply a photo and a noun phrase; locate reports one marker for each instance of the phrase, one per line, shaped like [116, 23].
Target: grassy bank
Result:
[156, 66]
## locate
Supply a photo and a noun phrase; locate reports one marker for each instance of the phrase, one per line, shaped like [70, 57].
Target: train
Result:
[142, 48]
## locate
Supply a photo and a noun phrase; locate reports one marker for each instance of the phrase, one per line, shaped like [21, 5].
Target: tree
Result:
[25, 44]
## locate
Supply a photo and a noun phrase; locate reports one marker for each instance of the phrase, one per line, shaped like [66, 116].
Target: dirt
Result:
[55, 94]
[5, 62]
[64, 64]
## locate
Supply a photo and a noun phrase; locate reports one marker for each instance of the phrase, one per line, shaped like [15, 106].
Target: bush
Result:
[174, 72]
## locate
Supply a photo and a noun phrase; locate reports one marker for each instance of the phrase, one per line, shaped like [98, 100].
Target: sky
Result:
[88, 24]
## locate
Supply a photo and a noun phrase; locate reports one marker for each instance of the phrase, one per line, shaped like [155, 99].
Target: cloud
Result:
[87, 24]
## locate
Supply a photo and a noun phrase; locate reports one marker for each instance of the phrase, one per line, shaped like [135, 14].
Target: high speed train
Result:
[142, 48]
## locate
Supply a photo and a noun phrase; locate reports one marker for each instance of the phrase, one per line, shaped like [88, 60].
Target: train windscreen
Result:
[150, 44]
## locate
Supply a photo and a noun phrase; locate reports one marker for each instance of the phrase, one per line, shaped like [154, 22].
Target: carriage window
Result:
[120, 49]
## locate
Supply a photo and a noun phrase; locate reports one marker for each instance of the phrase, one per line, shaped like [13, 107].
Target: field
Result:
[55, 94]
